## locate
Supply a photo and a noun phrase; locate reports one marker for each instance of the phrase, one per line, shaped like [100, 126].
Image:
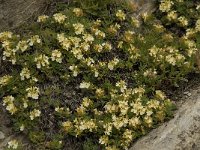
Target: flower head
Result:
[33, 92]
[13, 144]
[121, 15]
[35, 113]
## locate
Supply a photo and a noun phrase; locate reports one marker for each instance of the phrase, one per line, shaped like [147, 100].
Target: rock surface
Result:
[2, 136]
[180, 133]
[15, 12]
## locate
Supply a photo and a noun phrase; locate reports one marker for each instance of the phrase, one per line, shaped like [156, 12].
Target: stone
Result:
[2, 136]
[15, 12]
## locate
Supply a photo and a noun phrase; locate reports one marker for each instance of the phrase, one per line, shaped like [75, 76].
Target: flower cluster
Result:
[5, 80]
[13, 144]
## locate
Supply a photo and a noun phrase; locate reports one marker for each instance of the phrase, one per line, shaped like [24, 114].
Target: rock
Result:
[2, 136]
[187, 93]
[180, 133]
[15, 12]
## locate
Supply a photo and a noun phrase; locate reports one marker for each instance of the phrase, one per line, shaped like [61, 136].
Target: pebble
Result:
[2, 136]
[187, 93]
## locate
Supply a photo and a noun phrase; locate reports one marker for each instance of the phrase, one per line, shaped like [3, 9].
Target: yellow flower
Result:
[183, 20]
[197, 25]
[35, 113]
[22, 45]
[150, 73]
[171, 59]
[113, 63]
[89, 61]
[99, 92]
[42, 61]
[98, 47]
[165, 5]
[78, 12]
[114, 28]
[13, 144]
[88, 38]
[134, 122]
[59, 109]
[77, 52]
[97, 23]
[4, 80]
[120, 44]
[111, 108]
[60, 18]
[34, 39]
[5, 35]
[22, 127]
[122, 85]
[121, 15]
[11, 108]
[42, 18]
[8, 99]
[86, 102]
[25, 73]
[172, 15]
[107, 46]
[135, 22]
[160, 94]
[124, 107]
[111, 148]
[128, 36]
[56, 56]
[67, 125]
[33, 92]
[98, 33]
[85, 85]
[148, 120]
[108, 128]
[104, 140]
[80, 110]
[198, 6]
[119, 122]
[128, 135]
[74, 68]
[79, 28]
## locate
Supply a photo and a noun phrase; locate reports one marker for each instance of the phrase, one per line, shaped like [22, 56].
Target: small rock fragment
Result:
[187, 93]
[2, 136]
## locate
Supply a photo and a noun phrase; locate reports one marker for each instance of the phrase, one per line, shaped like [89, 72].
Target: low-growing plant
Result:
[79, 75]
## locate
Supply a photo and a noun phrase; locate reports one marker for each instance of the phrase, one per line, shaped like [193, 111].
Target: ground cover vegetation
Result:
[94, 71]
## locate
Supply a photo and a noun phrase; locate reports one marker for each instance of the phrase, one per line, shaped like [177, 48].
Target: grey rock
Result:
[2, 136]
[15, 12]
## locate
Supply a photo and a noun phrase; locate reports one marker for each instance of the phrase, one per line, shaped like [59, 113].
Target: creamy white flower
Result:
[79, 28]
[85, 85]
[42, 18]
[60, 18]
[33, 92]
[74, 68]
[25, 74]
[13, 144]
[22, 45]
[22, 127]
[35, 113]
[56, 56]
[42, 61]
[121, 15]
